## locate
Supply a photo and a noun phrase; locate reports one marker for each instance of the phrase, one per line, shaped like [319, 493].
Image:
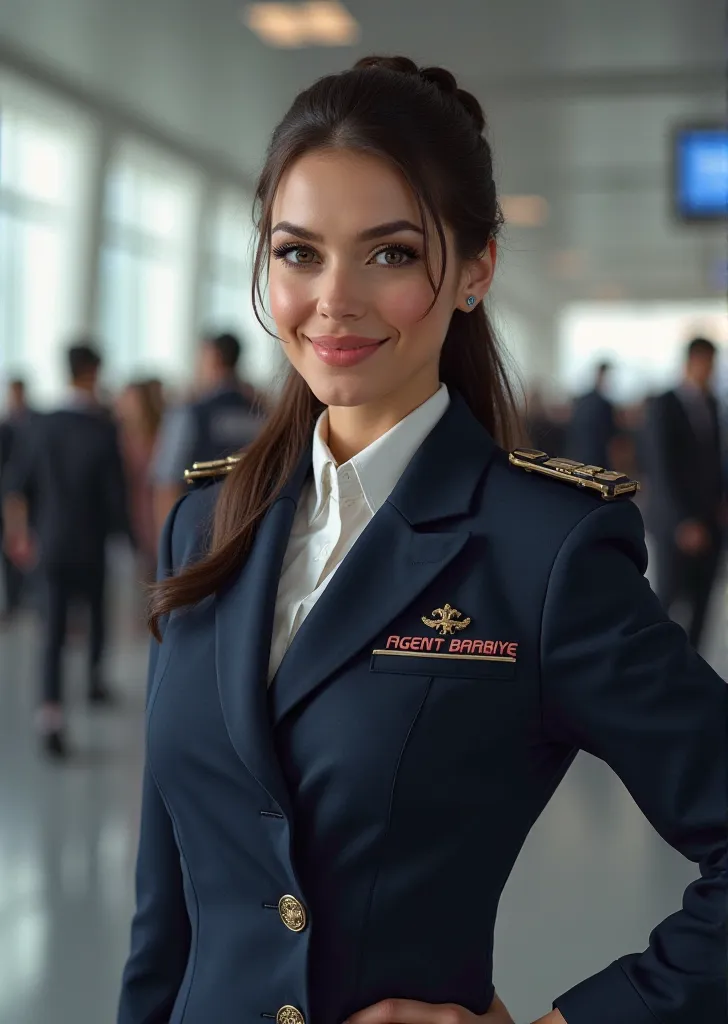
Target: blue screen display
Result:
[702, 173]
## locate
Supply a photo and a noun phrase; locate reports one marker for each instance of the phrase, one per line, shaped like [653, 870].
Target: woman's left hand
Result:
[408, 1011]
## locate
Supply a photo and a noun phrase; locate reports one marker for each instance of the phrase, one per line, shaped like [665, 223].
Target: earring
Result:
[470, 300]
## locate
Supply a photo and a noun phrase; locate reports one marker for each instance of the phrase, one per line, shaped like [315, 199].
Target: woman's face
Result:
[349, 288]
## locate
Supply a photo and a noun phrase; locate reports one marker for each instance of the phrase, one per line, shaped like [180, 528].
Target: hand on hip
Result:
[408, 1011]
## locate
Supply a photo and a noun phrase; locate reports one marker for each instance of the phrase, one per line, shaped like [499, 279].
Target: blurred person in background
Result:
[14, 431]
[73, 470]
[140, 414]
[542, 428]
[155, 396]
[222, 420]
[687, 487]
[593, 425]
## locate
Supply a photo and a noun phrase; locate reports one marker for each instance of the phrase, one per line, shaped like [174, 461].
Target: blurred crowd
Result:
[674, 443]
[100, 466]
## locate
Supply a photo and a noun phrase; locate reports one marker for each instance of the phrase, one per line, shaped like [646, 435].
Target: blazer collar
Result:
[441, 480]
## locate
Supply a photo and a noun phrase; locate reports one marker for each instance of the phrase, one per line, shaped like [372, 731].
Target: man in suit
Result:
[592, 428]
[74, 471]
[687, 487]
[222, 421]
[13, 430]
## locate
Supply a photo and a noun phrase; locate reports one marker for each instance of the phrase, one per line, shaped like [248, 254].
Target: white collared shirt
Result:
[334, 509]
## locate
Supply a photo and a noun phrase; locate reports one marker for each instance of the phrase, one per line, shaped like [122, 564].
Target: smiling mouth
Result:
[349, 344]
[346, 351]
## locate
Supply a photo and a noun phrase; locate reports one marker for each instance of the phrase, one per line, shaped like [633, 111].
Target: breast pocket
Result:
[450, 666]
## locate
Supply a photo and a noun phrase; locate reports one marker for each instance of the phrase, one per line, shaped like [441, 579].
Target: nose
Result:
[339, 298]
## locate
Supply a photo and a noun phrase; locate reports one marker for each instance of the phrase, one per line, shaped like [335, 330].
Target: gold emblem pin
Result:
[446, 620]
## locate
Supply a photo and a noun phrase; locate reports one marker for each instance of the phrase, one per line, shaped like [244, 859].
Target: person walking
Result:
[73, 471]
[688, 487]
[222, 420]
[593, 427]
[15, 430]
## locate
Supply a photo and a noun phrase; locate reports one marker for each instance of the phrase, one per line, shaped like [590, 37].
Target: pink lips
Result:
[345, 351]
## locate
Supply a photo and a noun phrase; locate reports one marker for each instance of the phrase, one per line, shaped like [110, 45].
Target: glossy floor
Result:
[591, 882]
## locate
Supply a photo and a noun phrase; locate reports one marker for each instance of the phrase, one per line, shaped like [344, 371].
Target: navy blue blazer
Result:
[388, 779]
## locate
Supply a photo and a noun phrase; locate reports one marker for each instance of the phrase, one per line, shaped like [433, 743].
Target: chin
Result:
[345, 393]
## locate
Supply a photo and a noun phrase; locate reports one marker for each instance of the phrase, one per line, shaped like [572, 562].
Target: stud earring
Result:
[470, 300]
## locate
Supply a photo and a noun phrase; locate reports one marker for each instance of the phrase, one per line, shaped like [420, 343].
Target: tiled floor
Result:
[591, 882]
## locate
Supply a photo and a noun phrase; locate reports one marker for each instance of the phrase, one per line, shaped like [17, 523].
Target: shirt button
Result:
[290, 1015]
[292, 913]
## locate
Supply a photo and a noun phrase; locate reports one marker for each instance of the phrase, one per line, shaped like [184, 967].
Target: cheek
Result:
[289, 299]
[405, 303]
[406, 307]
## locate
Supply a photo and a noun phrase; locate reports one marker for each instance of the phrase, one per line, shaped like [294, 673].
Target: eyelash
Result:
[280, 252]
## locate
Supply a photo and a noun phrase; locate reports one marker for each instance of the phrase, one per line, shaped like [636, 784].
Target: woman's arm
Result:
[621, 681]
[160, 937]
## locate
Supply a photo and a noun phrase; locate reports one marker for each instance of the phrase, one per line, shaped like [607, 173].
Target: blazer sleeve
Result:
[620, 680]
[160, 935]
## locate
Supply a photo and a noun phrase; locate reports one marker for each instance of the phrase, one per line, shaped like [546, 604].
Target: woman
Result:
[381, 644]
[139, 419]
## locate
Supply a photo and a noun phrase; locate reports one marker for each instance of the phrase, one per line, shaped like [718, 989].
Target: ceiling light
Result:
[525, 211]
[330, 24]
[292, 25]
[276, 24]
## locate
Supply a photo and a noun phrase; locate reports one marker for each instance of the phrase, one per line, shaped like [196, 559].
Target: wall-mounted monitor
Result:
[700, 173]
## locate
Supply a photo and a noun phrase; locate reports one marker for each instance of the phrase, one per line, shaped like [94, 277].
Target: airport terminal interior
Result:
[130, 139]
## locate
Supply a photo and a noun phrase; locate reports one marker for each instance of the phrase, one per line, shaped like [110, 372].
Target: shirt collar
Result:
[78, 399]
[379, 466]
[692, 392]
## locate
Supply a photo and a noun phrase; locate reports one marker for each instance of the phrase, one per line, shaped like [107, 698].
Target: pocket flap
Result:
[453, 666]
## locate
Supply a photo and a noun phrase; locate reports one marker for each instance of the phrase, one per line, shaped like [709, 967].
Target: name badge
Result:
[447, 621]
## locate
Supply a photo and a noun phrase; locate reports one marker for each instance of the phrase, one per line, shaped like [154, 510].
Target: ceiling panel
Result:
[581, 97]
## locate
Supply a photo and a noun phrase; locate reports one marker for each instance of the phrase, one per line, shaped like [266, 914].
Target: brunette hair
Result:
[701, 347]
[433, 133]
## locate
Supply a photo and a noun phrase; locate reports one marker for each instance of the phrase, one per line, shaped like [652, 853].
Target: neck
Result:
[354, 428]
[223, 380]
[85, 387]
[694, 382]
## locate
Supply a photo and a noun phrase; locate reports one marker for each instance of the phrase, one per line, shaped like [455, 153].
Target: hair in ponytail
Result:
[432, 131]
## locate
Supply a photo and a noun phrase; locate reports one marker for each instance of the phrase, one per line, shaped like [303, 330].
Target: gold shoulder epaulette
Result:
[211, 470]
[606, 482]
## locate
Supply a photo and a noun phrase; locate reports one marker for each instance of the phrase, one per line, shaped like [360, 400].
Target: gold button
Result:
[290, 1015]
[292, 914]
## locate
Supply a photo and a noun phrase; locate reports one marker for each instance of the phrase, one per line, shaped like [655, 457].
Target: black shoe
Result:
[101, 696]
[55, 746]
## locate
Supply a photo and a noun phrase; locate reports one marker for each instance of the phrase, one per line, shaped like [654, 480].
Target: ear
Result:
[477, 277]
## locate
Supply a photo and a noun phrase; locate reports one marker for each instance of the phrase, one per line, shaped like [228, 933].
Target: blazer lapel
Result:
[243, 625]
[392, 562]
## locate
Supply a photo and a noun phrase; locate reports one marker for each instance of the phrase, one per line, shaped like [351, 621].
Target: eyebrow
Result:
[392, 227]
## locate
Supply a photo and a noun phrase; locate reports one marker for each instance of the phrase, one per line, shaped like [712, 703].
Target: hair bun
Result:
[402, 64]
[473, 107]
[441, 78]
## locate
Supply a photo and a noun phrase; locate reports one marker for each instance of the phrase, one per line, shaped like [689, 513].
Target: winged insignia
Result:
[446, 620]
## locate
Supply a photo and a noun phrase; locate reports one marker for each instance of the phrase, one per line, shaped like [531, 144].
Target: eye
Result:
[294, 255]
[395, 256]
